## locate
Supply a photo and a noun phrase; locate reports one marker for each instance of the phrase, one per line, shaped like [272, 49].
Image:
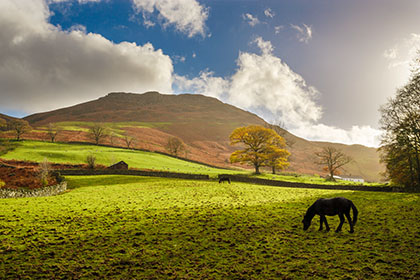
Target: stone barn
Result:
[119, 166]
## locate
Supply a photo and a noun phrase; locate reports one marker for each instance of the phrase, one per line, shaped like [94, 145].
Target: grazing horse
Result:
[224, 179]
[331, 206]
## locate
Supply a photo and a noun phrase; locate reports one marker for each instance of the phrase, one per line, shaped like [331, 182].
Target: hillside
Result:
[203, 123]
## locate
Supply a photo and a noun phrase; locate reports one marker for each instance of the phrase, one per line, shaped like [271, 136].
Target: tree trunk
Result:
[257, 169]
[274, 170]
[418, 166]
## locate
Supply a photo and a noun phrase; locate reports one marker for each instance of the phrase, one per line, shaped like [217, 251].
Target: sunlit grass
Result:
[124, 227]
[76, 154]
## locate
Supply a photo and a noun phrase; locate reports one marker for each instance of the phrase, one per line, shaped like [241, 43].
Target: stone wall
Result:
[277, 183]
[134, 173]
[46, 191]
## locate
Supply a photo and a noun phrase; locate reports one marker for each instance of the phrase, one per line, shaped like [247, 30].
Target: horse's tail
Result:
[355, 212]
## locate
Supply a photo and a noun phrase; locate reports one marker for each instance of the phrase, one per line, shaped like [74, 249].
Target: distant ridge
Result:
[203, 123]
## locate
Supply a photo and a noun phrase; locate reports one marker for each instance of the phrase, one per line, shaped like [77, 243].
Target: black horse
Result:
[331, 206]
[224, 179]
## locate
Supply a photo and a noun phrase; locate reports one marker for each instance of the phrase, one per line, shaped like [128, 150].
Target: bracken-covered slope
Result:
[203, 123]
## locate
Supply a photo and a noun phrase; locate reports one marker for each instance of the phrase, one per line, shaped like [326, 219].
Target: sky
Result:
[320, 68]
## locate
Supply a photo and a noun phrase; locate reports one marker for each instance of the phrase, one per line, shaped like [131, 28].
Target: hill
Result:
[203, 123]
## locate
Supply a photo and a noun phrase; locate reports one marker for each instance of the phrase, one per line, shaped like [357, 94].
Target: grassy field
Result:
[114, 227]
[77, 153]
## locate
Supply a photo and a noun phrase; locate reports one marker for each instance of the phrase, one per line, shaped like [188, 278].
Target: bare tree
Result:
[98, 132]
[19, 127]
[112, 137]
[53, 131]
[333, 159]
[174, 146]
[129, 140]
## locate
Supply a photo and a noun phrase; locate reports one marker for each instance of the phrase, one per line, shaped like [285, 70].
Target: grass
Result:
[123, 227]
[300, 178]
[116, 127]
[76, 154]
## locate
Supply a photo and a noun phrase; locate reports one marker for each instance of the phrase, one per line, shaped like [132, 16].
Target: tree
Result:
[278, 159]
[333, 159]
[400, 120]
[280, 129]
[3, 124]
[98, 132]
[53, 130]
[262, 147]
[19, 127]
[175, 146]
[129, 140]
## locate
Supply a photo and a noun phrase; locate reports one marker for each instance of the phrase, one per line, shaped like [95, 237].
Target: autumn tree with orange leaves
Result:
[261, 147]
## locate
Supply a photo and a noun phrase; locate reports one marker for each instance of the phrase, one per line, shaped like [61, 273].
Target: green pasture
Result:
[123, 227]
[76, 154]
[116, 127]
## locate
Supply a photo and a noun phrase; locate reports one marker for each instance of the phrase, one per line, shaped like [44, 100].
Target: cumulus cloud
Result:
[43, 67]
[252, 20]
[402, 54]
[206, 83]
[265, 85]
[364, 135]
[269, 13]
[188, 16]
[79, 1]
[304, 32]
[278, 29]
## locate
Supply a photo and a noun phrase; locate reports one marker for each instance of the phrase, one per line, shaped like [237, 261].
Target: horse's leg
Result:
[321, 220]
[350, 221]
[327, 227]
[341, 222]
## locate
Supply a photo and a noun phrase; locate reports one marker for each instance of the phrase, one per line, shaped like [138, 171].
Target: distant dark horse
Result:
[224, 179]
[331, 206]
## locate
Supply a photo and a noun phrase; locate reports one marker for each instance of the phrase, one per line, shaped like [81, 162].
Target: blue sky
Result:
[321, 68]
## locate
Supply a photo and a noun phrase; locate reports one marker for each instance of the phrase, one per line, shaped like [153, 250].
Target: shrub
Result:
[44, 171]
[91, 159]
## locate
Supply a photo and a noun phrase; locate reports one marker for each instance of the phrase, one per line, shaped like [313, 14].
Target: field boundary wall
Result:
[162, 174]
[45, 191]
[278, 183]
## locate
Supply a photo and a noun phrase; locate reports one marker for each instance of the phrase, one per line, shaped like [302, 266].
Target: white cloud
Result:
[269, 13]
[179, 58]
[304, 32]
[79, 1]
[278, 28]
[364, 135]
[402, 54]
[188, 16]
[205, 84]
[265, 46]
[265, 85]
[43, 67]
[252, 20]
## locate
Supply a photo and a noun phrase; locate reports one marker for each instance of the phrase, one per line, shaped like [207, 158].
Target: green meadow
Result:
[124, 227]
[76, 154]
